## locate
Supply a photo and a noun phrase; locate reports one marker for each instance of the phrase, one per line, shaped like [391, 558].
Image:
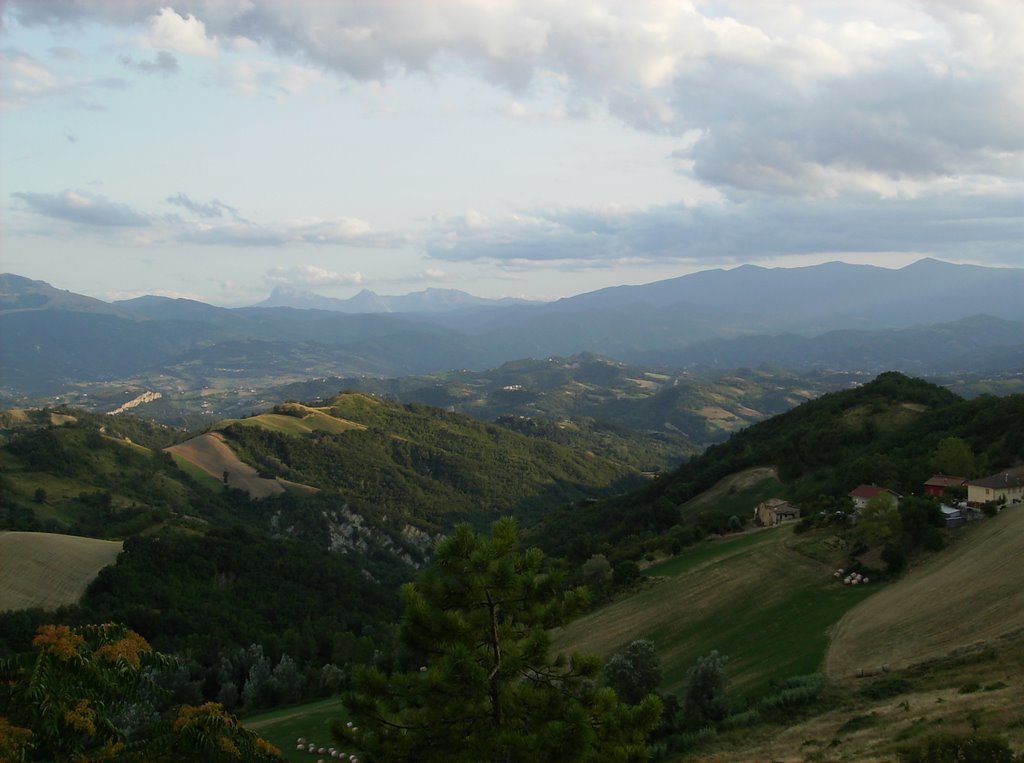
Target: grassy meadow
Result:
[753, 598]
[311, 721]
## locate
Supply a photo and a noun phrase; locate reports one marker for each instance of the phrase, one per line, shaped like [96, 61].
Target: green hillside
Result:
[658, 415]
[420, 465]
[755, 598]
[884, 432]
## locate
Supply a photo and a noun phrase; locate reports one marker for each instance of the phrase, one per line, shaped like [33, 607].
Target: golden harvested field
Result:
[211, 454]
[971, 593]
[48, 570]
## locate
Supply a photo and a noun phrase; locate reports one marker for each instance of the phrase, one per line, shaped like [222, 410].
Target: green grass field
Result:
[312, 721]
[736, 494]
[752, 598]
[201, 476]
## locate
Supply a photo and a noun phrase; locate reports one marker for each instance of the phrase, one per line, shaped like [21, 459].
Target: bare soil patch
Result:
[213, 455]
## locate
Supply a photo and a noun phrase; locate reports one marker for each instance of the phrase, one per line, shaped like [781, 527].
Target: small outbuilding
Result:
[940, 483]
[775, 511]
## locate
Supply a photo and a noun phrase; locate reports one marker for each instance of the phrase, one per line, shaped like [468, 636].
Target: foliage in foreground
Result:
[90, 693]
[481, 684]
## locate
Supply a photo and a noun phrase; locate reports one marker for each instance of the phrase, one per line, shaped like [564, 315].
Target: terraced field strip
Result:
[311, 721]
[753, 598]
[211, 454]
[972, 593]
[47, 570]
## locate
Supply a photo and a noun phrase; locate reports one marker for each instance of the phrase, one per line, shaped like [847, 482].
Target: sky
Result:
[216, 149]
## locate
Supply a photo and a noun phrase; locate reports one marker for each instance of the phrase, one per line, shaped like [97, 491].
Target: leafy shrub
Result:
[794, 692]
[886, 688]
[742, 720]
[948, 748]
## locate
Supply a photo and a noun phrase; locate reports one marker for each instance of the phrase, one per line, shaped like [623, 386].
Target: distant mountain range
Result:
[921, 318]
[366, 301]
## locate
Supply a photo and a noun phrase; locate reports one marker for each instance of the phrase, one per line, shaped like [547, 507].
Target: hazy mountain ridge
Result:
[54, 340]
[429, 300]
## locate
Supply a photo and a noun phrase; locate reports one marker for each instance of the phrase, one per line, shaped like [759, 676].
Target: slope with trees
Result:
[885, 432]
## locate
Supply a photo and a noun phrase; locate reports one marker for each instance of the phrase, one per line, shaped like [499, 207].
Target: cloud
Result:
[164, 63]
[84, 208]
[87, 208]
[253, 76]
[23, 77]
[812, 100]
[343, 231]
[169, 31]
[64, 53]
[984, 227]
[311, 275]
[208, 209]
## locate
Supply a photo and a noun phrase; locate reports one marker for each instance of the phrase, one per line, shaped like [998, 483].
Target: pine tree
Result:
[483, 686]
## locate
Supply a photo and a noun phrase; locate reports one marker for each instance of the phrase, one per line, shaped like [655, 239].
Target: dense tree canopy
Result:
[481, 684]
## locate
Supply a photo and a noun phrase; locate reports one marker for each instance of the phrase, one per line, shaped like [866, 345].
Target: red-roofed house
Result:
[864, 493]
[1005, 487]
[938, 484]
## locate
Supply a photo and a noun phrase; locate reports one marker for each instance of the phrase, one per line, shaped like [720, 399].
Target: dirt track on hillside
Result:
[211, 454]
[967, 595]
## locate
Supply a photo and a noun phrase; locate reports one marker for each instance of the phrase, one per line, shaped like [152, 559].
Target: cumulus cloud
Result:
[163, 63]
[84, 208]
[813, 100]
[169, 31]
[311, 275]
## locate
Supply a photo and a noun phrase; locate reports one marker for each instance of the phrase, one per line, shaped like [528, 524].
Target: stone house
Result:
[775, 511]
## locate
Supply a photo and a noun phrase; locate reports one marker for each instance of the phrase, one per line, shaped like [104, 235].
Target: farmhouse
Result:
[1003, 487]
[938, 484]
[864, 493]
[775, 511]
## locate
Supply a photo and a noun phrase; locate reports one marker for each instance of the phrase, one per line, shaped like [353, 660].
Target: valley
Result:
[215, 503]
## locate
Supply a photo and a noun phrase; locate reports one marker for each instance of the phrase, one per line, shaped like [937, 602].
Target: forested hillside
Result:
[884, 432]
